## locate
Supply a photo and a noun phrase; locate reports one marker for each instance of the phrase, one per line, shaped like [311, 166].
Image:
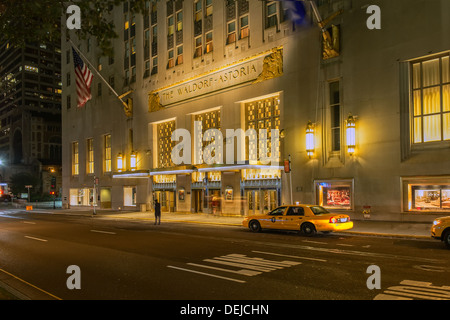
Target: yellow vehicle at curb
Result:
[308, 219]
[441, 230]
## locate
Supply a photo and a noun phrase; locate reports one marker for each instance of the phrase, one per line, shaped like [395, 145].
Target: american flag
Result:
[83, 79]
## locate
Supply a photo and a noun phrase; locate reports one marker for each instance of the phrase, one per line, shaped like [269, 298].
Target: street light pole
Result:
[290, 178]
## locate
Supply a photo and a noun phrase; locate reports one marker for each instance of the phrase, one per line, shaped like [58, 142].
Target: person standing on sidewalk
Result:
[157, 212]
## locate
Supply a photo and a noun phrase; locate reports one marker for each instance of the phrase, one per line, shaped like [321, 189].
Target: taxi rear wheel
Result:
[254, 226]
[308, 229]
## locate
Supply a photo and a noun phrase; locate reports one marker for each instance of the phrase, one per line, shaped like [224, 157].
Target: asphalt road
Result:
[120, 259]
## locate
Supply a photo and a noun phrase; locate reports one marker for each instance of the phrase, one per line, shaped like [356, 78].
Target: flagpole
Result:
[98, 73]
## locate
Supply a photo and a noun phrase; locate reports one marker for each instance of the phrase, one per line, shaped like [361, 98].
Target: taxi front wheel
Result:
[308, 229]
[254, 226]
[446, 238]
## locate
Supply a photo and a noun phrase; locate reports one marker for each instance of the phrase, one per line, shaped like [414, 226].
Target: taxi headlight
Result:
[436, 222]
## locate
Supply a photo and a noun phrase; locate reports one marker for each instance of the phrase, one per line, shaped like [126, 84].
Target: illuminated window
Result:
[32, 69]
[262, 114]
[179, 20]
[231, 32]
[164, 143]
[244, 27]
[75, 159]
[334, 194]
[203, 25]
[209, 42]
[107, 146]
[170, 25]
[198, 47]
[129, 196]
[170, 59]
[179, 55]
[335, 116]
[90, 155]
[431, 100]
[209, 120]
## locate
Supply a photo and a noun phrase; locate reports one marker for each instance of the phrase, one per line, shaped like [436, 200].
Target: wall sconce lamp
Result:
[351, 134]
[133, 161]
[120, 162]
[310, 140]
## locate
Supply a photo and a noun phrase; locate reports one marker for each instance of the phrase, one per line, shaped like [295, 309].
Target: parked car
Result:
[308, 219]
[441, 230]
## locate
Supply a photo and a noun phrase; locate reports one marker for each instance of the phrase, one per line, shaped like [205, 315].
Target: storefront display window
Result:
[129, 196]
[181, 194]
[229, 193]
[81, 197]
[430, 198]
[426, 194]
[334, 194]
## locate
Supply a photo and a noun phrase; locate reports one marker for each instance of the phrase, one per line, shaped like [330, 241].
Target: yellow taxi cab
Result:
[308, 219]
[441, 230]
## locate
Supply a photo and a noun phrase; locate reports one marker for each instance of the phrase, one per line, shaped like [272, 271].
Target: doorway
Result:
[261, 201]
[197, 200]
[253, 202]
[166, 200]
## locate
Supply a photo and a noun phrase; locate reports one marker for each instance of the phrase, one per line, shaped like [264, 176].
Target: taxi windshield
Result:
[318, 210]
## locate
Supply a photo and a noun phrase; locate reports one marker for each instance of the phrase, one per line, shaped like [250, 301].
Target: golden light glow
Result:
[310, 146]
[351, 135]
[133, 161]
[119, 162]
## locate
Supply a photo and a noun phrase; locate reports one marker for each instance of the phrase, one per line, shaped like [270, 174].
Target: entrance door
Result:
[270, 200]
[166, 199]
[253, 202]
[197, 195]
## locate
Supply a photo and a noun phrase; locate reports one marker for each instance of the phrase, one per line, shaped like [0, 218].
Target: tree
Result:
[43, 21]
[18, 181]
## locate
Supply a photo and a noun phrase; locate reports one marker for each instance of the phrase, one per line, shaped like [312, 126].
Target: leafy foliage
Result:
[43, 21]
[18, 181]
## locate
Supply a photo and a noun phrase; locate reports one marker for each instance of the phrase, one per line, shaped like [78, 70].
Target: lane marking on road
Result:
[38, 239]
[239, 265]
[106, 232]
[317, 242]
[31, 285]
[244, 272]
[29, 222]
[247, 266]
[344, 244]
[431, 268]
[207, 274]
[409, 290]
[290, 256]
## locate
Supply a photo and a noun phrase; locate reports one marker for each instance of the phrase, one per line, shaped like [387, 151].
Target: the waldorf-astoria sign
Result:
[266, 65]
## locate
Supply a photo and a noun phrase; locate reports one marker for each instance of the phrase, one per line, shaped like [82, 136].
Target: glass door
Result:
[253, 202]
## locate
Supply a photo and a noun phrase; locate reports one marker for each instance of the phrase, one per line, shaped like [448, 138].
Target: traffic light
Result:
[52, 193]
[53, 183]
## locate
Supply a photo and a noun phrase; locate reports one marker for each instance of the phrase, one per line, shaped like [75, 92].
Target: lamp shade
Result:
[119, 162]
[351, 135]
[133, 161]
[310, 139]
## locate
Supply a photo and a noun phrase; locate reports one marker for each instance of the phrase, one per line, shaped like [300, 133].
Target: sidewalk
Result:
[363, 227]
